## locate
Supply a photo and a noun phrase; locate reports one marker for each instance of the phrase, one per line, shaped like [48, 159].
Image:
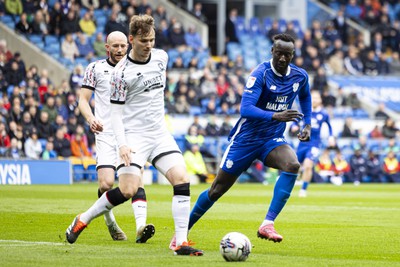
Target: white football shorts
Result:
[152, 149]
[106, 151]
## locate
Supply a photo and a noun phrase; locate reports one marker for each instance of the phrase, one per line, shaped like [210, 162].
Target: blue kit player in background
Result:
[308, 152]
[266, 107]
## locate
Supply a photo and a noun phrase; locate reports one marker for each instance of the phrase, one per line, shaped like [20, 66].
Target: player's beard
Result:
[116, 58]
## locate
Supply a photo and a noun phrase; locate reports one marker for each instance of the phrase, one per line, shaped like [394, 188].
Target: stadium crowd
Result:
[40, 119]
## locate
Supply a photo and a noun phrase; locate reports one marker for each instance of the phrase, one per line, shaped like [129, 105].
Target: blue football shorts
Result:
[307, 150]
[238, 156]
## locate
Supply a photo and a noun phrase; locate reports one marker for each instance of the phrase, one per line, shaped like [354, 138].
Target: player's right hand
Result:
[288, 115]
[95, 125]
[125, 154]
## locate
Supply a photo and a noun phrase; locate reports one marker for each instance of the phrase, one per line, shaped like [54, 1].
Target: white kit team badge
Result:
[295, 87]
[229, 163]
[251, 81]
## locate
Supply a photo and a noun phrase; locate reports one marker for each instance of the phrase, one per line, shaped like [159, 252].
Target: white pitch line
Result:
[16, 243]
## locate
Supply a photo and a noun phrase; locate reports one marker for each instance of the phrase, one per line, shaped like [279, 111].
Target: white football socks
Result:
[140, 211]
[101, 206]
[180, 213]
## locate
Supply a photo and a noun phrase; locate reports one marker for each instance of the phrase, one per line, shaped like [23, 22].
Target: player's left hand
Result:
[305, 134]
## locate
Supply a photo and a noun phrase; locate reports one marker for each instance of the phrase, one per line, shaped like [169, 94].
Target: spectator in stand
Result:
[392, 146]
[231, 98]
[324, 168]
[290, 30]
[376, 132]
[222, 85]
[211, 107]
[181, 105]
[49, 152]
[348, 130]
[87, 25]
[197, 124]
[14, 151]
[40, 23]
[33, 147]
[70, 23]
[340, 25]
[193, 39]
[76, 77]
[79, 148]
[377, 43]
[389, 129]
[212, 128]
[12, 74]
[374, 170]
[14, 7]
[320, 81]
[230, 29]
[85, 48]
[198, 12]
[27, 124]
[113, 25]
[56, 16]
[5, 141]
[15, 113]
[5, 53]
[62, 145]
[159, 14]
[391, 168]
[341, 168]
[44, 128]
[23, 26]
[69, 49]
[353, 10]
[273, 31]
[34, 112]
[353, 101]
[195, 163]
[358, 167]
[50, 108]
[72, 124]
[383, 65]
[352, 62]
[177, 37]
[89, 4]
[58, 123]
[98, 45]
[370, 64]
[162, 35]
[226, 126]
[380, 113]
[208, 86]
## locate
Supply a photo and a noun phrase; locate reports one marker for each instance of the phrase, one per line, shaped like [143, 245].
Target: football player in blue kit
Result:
[266, 107]
[308, 152]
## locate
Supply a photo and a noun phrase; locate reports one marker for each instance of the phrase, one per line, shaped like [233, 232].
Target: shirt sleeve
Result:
[117, 99]
[305, 100]
[89, 78]
[251, 95]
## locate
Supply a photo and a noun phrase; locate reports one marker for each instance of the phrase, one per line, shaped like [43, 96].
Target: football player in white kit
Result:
[137, 118]
[97, 80]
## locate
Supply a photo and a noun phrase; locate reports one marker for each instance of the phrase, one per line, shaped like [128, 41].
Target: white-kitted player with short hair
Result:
[137, 117]
[97, 80]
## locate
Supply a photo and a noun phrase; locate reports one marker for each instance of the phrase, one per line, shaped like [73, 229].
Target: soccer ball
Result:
[235, 246]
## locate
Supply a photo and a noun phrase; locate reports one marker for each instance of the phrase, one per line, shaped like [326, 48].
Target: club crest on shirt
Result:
[161, 66]
[272, 88]
[250, 81]
[229, 163]
[295, 87]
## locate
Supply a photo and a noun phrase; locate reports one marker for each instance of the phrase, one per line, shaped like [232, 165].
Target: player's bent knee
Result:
[292, 167]
[105, 186]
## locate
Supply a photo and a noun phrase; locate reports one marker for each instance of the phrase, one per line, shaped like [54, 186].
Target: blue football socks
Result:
[203, 204]
[304, 186]
[282, 190]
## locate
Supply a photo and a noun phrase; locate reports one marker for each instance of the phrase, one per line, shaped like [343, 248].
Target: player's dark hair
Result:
[141, 25]
[283, 37]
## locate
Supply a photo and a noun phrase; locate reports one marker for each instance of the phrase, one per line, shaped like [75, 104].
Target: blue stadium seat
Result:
[51, 2]
[43, 143]
[172, 55]
[267, 24]
[78, 172]
[240, 25]
[250, 62]
[35, 38]
[255, 28]
[101, 21]
[282, 25]
[233, 50]
[51, 39]
[187, 57]
[91, 174]
[81, 61]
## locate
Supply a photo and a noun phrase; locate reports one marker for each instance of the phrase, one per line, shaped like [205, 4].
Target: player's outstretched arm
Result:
[84, 97]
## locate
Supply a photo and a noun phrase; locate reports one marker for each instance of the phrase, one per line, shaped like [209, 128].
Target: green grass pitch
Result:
[333, 226]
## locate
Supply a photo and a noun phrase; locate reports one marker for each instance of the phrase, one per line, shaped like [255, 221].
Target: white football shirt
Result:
[97, 78]
[139, 86]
